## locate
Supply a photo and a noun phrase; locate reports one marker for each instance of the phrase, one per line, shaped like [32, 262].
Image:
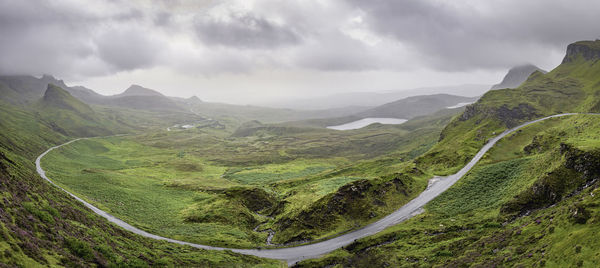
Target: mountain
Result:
[517, 75]
[69, 116]
[372, 99]
[136, 90]
[416, 106]
[406, 108]
[56, 97]
[26, 89]
[43, 226]
[532, 197]
[141, 98]
[573, 86]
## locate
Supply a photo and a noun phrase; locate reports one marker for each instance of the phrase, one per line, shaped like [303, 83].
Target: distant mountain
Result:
[372, 99]
[68, 115]
[26, 90]
[136, 90]
[141, 98]
[406, 108]
[56, 97]
[416, 106]
[21, 89]
[517, 75]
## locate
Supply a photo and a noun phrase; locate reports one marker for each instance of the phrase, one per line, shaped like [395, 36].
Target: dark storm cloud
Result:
[482, 34]
[244, 31]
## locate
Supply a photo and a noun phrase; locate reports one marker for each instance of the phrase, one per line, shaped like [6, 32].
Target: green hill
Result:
[574, 86]
[58, 98]
[532, 201]
[41, 226]
[69, 116]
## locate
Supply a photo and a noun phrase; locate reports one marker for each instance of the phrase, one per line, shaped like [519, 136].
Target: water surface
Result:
[367, 121]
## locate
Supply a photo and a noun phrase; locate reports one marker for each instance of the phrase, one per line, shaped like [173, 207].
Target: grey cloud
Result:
[508, 32]
[127, 49]
[337, 52]
[64, 38]
[245, 31]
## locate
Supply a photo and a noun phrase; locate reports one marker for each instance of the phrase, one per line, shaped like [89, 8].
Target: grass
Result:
[207, 186]
[42, 226]
[466, 225]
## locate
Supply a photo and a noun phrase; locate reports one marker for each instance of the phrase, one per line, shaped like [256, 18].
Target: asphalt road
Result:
[437, 185]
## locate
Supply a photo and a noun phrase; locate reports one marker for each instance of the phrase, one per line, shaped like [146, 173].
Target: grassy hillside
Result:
[229, 186]
[71, 117]
[574, 86]
[42, 226]
[530, 202]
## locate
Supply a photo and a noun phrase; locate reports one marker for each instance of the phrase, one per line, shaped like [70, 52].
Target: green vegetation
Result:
[216, 187]
[42, 226]
[492, 215]
[532, 201]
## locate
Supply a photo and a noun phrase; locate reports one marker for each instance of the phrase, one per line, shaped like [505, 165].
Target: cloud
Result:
[481, 34]
[71, 38]
[128, 49]
[245, 31]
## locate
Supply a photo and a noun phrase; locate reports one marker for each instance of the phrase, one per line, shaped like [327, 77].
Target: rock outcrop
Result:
[589, 50]
[517, 75]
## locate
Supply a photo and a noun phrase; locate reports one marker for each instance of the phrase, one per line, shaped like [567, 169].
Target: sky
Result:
[252, 51]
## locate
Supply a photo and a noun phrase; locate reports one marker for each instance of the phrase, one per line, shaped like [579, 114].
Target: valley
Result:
[306, 134]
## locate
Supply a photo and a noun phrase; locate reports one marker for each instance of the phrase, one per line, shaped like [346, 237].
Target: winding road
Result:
[437, 185]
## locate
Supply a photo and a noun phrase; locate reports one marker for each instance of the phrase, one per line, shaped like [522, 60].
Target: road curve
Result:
[437, 185]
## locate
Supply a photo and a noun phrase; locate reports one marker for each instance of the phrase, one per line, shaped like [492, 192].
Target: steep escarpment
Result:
[579, 169]
[574, 86]
[351, 206]
[588, 50]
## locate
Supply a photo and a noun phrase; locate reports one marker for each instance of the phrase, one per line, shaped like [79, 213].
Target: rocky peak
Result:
[589, 50]
[517, 75]
[194, 99]
[49, 79]
[136, 90]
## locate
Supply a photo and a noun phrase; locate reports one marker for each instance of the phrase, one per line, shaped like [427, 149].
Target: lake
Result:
[367, 121]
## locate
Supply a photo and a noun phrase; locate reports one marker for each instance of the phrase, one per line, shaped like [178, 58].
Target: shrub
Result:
[79, 248]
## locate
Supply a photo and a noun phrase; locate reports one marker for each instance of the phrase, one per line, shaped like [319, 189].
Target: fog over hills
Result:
[517, 75]
[371, 99]
[299, 133]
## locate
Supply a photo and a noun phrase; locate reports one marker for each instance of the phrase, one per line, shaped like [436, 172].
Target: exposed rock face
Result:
[516, 76]
[509, 116]
[579, 170]
[589, 50]
[356, 200]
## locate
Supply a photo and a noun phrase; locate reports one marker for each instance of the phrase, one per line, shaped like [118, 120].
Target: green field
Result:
[495, 215]
[209, 186]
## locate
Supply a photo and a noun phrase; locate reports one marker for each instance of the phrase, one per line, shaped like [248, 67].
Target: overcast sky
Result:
[246, 51]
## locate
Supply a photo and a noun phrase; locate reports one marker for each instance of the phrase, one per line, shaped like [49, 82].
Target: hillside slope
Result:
[42, 226]
[532, 200]
[574, 86]
[517, 75]
[416, 106]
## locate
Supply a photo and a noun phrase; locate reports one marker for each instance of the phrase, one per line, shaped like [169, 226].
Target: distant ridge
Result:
[136, 90]
[59, 98]
[517, 75]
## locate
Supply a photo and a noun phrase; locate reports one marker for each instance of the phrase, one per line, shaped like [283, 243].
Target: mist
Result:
[262, 52]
